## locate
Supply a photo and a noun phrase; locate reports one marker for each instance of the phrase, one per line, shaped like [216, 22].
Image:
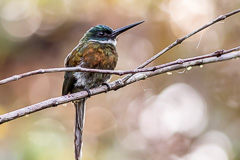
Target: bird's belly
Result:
[86, 80]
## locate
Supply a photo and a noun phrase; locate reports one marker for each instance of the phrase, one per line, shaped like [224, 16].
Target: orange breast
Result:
[99, 56]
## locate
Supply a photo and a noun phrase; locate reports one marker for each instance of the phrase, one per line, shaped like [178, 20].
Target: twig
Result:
[217, 56]
[118, 72]
[52, 70]
[180, 40]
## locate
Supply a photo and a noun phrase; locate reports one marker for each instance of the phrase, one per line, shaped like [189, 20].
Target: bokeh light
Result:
[196, 13]
[212, 145]
[172, 113]
[20, 19]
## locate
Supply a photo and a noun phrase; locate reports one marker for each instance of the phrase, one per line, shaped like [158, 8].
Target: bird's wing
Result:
[72, 60]
[75, 56]
[68, 83]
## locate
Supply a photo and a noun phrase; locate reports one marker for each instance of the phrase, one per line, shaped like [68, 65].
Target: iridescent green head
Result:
[105, 34]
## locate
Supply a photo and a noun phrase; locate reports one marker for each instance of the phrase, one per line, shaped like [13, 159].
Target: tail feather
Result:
[79, 123]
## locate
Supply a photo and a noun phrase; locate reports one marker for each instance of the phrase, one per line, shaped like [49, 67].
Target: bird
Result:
[95, 50]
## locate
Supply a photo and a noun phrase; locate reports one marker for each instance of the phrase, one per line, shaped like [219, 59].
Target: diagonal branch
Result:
[119, 72]
[180, 40]
[217, 56]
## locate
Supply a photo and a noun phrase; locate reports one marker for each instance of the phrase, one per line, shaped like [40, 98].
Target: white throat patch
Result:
[110, 41]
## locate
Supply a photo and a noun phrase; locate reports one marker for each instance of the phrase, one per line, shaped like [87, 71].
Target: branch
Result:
[217, 56]
[180, 40]
[118, 72]
[52, 70]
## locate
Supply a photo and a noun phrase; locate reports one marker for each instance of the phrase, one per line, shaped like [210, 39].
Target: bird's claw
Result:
[108, 87]
[88, 91]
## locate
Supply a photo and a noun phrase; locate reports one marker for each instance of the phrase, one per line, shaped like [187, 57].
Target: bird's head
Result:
[105, 34]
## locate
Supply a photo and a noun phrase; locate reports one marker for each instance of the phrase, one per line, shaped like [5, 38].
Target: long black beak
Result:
[116, 32]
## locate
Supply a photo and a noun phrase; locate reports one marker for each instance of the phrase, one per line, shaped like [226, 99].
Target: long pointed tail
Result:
[79, 123]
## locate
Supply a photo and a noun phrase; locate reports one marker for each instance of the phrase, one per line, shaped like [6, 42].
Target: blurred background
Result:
[186, 115]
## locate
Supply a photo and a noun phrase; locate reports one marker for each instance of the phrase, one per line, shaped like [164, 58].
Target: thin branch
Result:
[217, 56]
[52, 70]
[118, 72]
[180, 40]
[151, 71]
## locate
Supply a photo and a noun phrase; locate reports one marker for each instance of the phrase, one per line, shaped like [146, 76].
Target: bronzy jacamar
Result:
[96, 49]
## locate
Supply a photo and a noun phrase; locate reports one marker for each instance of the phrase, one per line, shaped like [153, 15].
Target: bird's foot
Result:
[88, 91]
[108, 87]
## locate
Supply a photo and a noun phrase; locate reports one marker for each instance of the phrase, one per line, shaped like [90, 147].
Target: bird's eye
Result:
[101, 33]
